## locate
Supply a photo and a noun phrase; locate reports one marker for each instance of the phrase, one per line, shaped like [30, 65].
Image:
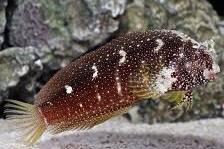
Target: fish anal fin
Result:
[85, 124]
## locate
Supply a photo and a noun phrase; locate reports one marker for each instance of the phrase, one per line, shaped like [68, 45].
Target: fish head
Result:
[200, 63]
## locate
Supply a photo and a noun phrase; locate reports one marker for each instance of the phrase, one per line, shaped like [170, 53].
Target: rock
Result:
[134, 19]
[67, 28]
[221, 27]
[3, 4]
[15, 64]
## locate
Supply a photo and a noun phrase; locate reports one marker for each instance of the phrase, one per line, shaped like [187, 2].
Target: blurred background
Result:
[38, 37]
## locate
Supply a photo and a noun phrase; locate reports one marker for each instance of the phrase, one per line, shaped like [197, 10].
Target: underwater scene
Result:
[111, 74]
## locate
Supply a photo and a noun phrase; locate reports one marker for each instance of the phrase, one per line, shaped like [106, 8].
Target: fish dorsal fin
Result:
[85, 124]
[140, 83]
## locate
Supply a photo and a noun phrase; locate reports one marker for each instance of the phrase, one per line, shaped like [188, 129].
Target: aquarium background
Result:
[38, 37]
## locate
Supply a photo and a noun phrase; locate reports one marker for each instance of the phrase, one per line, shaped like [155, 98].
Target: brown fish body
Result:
[99, 81]
[109, 80]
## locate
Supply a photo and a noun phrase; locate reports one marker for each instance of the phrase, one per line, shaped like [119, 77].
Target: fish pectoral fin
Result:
[186, 102]
[173, 96]
[139, 84]
[179, 99]
[84, 124]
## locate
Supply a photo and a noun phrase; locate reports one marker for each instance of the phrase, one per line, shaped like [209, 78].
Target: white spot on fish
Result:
[50, 103]
[159, 46]
[196, 46]
[80, 105]
[95, 71]
[164, 80]
[123, 54]
[118, 85]
[98, 96]
[181, 55]
[68, 89]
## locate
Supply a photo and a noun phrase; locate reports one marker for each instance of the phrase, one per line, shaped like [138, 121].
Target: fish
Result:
[110, 80]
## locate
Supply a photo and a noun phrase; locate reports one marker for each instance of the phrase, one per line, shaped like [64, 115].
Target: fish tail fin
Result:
[26, 119]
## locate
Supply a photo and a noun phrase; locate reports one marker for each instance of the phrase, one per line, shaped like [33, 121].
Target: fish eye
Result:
[204, 55]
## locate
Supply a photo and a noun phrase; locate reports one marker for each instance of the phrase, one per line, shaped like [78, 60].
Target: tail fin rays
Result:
[25, 116]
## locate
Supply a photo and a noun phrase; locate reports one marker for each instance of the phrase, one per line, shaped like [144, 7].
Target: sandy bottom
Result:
[120, 134]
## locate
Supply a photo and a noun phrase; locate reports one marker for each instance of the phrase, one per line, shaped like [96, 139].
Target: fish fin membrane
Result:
[174, 96]
[85, 124]
[26, 119]
[179, 98]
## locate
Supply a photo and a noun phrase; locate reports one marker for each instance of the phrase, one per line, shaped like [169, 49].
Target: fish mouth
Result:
[213, 77]
[210, 75]
[215, 71]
